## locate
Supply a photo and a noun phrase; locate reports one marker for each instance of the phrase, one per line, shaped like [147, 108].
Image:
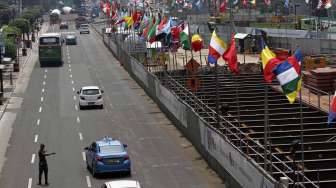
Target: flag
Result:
[216, 48]
[269, 62]
[184, 38]
[152, 31]
[286, 4]
[230, 56]
[332, 111]
[222, 6]
[267, 2]
[324, 4]
[164, 31]
[288, 74]
[196, 42]
[245, 3]
[148, 27]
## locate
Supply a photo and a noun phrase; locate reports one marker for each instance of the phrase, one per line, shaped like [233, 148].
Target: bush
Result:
[7, 30]
[10, 49]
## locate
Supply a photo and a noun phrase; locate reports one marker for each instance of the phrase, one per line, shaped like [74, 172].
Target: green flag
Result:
[184, 38]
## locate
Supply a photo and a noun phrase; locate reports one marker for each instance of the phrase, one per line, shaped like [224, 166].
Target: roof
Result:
[50, 34]
[90, 87]
[240, 35]
[123, 184]
[108, 141]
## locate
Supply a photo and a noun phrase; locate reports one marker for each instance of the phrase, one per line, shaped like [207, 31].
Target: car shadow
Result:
[91, 108]
[113, 175]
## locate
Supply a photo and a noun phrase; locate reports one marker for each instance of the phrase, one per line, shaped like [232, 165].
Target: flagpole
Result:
[217, 97]
[265, 126]
[301, 124]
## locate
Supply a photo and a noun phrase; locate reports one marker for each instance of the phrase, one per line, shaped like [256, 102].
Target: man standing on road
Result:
[43, 166]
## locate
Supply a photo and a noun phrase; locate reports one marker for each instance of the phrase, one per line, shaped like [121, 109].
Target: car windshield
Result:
[90, 92]
[111, 149]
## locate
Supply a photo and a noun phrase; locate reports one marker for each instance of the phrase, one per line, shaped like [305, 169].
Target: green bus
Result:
[50, 49]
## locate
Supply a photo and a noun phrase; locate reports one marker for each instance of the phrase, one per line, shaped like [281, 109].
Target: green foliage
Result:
[32, 13]
[10, 49]
[7, 30]
[22, 24]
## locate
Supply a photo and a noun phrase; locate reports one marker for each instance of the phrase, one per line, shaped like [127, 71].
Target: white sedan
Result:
[90, 96]
[121, 184]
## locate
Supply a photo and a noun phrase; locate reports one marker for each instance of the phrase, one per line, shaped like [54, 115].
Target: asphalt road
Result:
[161, 157]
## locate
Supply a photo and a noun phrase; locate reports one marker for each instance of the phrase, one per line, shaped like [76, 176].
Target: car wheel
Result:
[93, 169]
[80, 107]
[87, 165]
[129, 173]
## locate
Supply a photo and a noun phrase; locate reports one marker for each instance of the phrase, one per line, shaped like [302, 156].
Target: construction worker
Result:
[43, 165]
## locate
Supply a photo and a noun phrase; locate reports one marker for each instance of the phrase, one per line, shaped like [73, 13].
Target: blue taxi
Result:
[107, 155]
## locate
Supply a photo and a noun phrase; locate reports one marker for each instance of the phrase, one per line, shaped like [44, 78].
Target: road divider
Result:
[88, 181]
[33, 158]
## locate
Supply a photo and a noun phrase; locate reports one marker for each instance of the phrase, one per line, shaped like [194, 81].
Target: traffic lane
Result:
[17, 168]
[60, 132]
[157, 155]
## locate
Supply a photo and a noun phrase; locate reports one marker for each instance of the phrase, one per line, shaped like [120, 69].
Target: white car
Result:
[121, 184]
[84, 28]
[90, 96]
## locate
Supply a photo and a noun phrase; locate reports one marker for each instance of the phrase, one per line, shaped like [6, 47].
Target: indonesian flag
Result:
[222, 6]
[324, 4]
[267, 2]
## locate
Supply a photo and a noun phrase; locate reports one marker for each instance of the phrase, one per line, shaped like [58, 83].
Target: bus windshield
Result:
[49, 40]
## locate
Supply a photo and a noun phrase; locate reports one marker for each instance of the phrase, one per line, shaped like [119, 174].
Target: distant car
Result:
[107, 155]
[121, 184]
[90, 96]
[64, 25]
[84, 28]
[71, 40]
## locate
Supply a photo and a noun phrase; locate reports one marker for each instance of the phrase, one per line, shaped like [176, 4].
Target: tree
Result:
[22, 24]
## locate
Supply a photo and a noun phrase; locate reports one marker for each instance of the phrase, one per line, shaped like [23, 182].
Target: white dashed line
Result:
[33, 159]
[46, 70]
[42, 90]
[69, 61]
[45, 76]
[30, 182]
[38, 122]
[80, 136]
[35, 139]
[42, 99]
[78, 120]
[76, 107]
[88, 181]
[75, 97]
[83, 155]
[69, 70]
[44, 82]
[68, 57]
[70, 66]
[40, 109]
[72, 82]
[70, 75]
[73, 89]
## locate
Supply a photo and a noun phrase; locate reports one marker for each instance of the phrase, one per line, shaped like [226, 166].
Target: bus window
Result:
[49, 40]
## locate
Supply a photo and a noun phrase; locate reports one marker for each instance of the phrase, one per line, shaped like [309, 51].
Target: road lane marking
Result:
[30, 182]
[40, 109]
[41, 99]
[45, 76]
[36, 137]
[88, 181]
[33, 159]
[44, 82]
[38, 121]
[68, 57]
[73, 89]
[80, 136]
[75, 97]
[42, 90]
[78, 120]
[70, 75]
[69, 61]
[72, 82]
[83, 155]
[70, 66]
[46, 70]
[76, 107]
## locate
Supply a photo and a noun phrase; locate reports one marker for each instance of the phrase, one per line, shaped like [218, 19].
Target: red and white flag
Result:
[267, 2]
[324, 4]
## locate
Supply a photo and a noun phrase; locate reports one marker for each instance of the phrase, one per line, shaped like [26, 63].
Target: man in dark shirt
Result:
[43, 165]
